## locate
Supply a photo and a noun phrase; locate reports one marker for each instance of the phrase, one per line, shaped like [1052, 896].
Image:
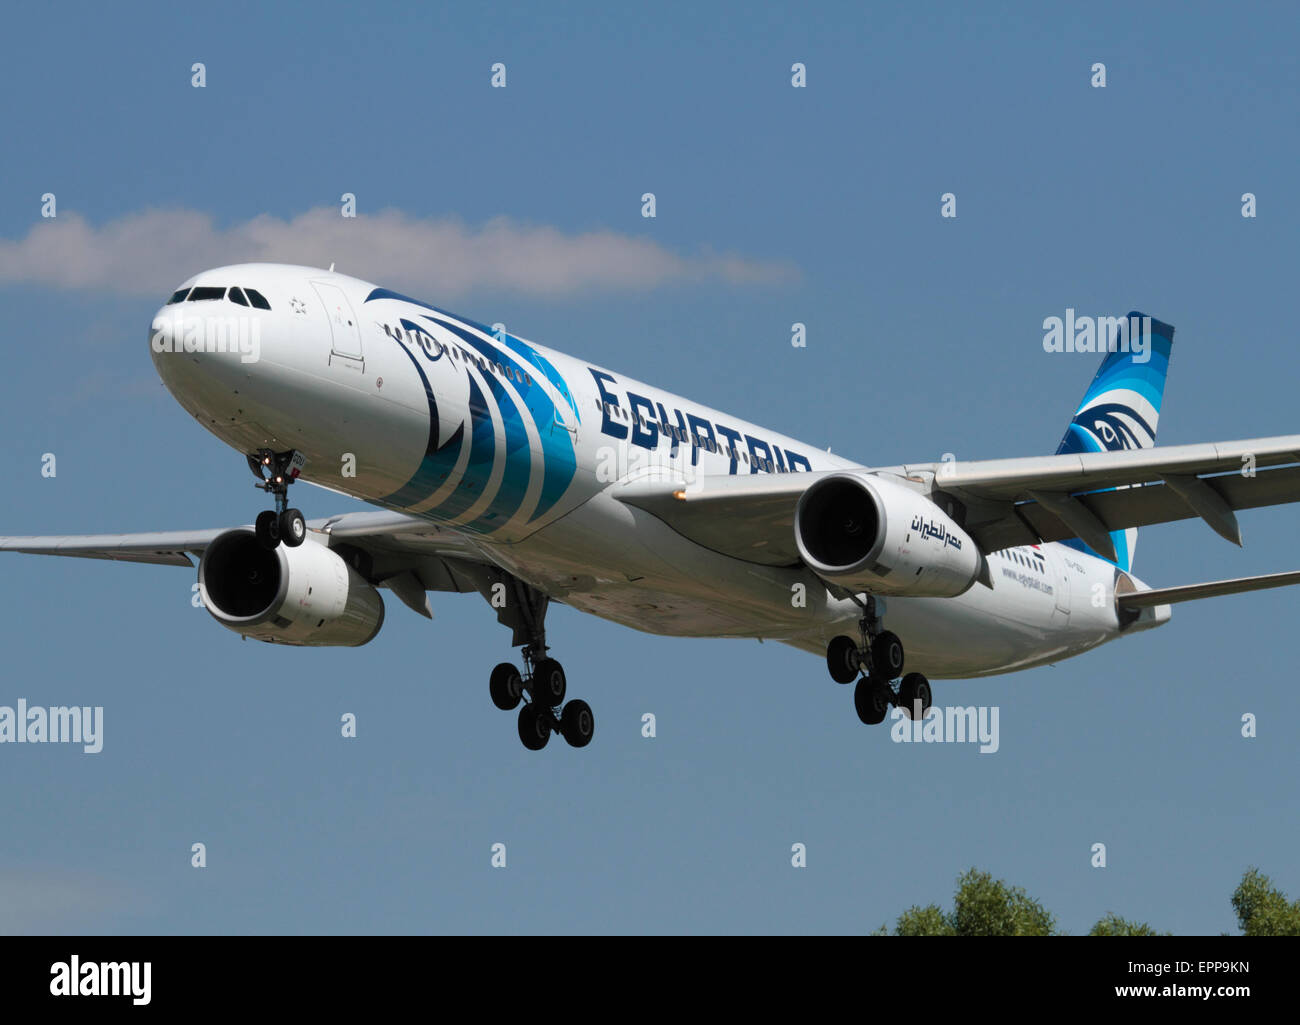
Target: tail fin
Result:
[1121, 408]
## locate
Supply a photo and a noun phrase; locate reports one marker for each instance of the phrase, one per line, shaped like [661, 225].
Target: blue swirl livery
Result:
[1121, 408]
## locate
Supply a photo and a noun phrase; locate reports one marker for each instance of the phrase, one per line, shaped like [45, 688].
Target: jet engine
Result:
[304, 596]
[864, 532]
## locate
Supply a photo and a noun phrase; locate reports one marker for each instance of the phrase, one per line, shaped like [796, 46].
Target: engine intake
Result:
[304, 596]
[865, 532]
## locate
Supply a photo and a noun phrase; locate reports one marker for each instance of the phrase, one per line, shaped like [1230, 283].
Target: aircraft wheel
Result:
[267, 529]
[506, 687]
[534, 727]
[914, 688]
[871, 699]
[549, 685]
[842, 659]
[577, 725]
[293, 528]
[887, 656]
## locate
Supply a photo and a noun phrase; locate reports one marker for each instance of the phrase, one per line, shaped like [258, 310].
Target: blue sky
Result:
[924, 337]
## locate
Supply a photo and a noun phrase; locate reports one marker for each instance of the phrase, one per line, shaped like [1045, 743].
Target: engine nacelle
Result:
[867, 533]
[305, 595]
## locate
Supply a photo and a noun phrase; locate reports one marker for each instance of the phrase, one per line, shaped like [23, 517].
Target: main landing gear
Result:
[276, 471]
[877, 655]
[541, 686]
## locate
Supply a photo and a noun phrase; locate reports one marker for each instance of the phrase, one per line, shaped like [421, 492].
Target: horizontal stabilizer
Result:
[1170, 595]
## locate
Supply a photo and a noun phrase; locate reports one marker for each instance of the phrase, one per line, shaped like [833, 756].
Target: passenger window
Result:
[206, 294]
[257, 299]
[178, 297]
[236, 296]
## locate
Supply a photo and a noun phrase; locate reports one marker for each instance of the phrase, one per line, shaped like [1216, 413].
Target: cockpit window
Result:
[257, 299]
[236, 296]
[178, 296]
[206, 293]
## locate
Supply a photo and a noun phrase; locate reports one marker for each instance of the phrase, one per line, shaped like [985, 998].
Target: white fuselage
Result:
[519, 448]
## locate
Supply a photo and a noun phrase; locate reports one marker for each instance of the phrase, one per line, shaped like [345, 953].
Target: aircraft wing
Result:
[1087, 495]
[408, 555]
[162, 548]
[747, 517]
[1191, 592]
[1006, 502]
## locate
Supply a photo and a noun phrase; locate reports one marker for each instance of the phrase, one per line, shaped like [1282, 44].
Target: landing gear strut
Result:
[275, 471]
[877, 654]
[541, 686]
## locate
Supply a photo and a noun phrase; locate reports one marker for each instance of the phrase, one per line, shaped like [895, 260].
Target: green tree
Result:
[989, 907]
[927, 921]
[984, 906]
[1112, 925]
[1262, 909]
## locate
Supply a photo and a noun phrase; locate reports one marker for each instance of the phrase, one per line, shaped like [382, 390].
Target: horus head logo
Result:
[1117, 427]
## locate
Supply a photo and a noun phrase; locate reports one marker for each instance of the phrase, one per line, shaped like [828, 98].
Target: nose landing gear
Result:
[878, 656]
[275, 471]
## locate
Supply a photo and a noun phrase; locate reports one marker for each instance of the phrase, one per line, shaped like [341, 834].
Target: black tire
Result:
[887, 656]
[293, 528]
[914, 688]
[871, 699]
[577, 724]
[267, 529]
[549, 684]
[534, 727]
[842, 659]
[506, 687]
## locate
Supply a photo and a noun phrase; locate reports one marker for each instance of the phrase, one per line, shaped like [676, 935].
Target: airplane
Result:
[502, 467]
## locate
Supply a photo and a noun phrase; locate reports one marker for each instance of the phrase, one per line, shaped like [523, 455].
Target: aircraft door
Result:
[345, 331]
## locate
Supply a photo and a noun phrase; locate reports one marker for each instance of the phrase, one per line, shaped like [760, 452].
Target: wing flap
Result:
[1028, 501]
[1033, 523]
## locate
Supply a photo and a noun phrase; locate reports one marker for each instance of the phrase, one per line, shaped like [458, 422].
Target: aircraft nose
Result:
[215, 339]
[162, 333]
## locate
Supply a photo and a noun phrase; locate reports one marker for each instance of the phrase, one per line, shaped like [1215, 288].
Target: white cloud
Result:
[151, 251]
